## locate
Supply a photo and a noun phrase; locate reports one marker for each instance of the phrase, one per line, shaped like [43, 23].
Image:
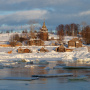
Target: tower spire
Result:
[44, 26]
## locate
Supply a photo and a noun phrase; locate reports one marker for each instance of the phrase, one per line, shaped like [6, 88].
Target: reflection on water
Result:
[35, 70]
[43, 83]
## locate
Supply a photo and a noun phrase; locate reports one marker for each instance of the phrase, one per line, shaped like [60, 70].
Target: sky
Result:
[15, 14]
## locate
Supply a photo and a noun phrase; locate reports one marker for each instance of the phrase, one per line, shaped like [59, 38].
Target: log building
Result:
[44, 32]
[75, 42]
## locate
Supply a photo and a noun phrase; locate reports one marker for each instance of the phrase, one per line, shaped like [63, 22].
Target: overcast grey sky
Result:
[16, 13]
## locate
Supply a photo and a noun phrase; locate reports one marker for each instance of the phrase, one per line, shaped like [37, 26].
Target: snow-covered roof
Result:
[53, 35]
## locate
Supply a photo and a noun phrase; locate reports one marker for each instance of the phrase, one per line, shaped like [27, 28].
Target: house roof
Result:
[74, 40]
[61, 46]
[43, 49]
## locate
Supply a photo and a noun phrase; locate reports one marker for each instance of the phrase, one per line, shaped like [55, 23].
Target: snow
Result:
[4, 37]
[78, 53]
[6, 49]
[67, 38]
[54, 36]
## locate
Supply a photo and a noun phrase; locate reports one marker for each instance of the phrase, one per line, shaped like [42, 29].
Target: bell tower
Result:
[44, 32]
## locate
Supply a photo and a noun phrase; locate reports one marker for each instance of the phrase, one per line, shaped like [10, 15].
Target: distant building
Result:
[36, 42]
[75, 42]
[44, 32]
[61, 48]
[44, 50]
[23, 50]
[20, 50]
[27, 50]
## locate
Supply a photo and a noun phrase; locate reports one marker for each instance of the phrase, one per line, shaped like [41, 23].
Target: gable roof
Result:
[74, 40]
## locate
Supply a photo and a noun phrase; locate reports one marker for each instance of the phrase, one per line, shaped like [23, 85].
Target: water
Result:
[57, 83]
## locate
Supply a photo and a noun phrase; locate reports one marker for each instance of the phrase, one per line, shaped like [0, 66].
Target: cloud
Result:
[34, 1]
[12, 1]
[30, 4]
[17, 27]
[79, 14]
[23, 16]
[84, 13]
[15, 20]
[19, 12]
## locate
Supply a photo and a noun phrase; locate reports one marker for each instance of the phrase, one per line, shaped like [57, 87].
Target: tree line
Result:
[86, 34]
[73, 30]
[62, 30]
[69, 29]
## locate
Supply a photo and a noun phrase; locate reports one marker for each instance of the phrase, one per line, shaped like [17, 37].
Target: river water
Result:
[57, 83]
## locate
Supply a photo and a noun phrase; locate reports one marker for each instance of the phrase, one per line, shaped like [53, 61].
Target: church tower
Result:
[44, 32]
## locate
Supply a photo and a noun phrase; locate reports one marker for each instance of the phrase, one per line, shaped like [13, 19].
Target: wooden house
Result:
[36, 42]
[43, 50]
[61, 48]
[27, 51]
[20, 50]
[75, 42]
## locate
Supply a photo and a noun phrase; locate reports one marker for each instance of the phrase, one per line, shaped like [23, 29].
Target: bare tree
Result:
[74, 29]
[13, 39]
[60, 32]
[83, 23]
[33, 25]
[86, 34]
[67, 29]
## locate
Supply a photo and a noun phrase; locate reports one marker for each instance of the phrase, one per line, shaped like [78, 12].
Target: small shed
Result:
[75, 42]
[44, 50]
[27, 50]
[20, 50]
[61, 48]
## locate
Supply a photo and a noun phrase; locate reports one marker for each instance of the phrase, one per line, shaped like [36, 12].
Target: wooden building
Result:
[75, 42]
[25, 50]
[61, 48]
[20, 50]
[36, 42]
[44, 50]
[44, 32]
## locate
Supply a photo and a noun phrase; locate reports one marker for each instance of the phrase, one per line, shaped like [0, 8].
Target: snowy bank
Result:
[78, 53]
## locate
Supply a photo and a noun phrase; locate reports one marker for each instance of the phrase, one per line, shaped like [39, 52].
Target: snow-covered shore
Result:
[78, 53]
